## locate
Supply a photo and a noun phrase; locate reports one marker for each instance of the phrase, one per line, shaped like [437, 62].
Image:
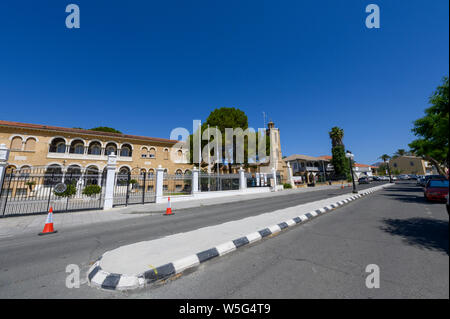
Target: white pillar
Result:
[265, 179]
[274, 176]
[110, 181]
[258, 179]
[291, 180]
[159, 184]
[242, 179]
[195, 180]
[4, 156]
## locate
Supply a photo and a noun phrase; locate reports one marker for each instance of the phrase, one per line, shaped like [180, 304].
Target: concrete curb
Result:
[99, 278]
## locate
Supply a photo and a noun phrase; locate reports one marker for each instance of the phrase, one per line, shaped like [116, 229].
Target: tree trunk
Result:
[436, 164]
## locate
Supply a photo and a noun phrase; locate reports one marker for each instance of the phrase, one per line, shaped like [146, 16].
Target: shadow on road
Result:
[412, 199]
[424, 233]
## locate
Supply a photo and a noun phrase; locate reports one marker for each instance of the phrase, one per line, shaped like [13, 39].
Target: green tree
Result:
[339, 161]
[385, 158]
[432, 130]
[105, 129]
[221, 119]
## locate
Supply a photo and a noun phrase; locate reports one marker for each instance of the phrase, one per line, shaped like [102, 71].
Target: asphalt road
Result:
[34, 267]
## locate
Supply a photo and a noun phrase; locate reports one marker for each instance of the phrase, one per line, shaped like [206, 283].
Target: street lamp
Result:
[350, 156]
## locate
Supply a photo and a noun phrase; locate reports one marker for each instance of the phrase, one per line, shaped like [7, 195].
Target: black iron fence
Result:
[134, 189]
[178, 184]
[218, 182]
[35, 190]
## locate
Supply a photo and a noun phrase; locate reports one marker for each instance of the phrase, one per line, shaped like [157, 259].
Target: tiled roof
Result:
[302, 157]
[82, 131]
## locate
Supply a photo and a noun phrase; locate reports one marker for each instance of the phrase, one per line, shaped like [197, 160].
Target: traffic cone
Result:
[48, 228]
[169, 209]
[342, 185]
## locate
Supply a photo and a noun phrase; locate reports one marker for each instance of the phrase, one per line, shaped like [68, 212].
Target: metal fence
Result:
[178, 184]
[134, 189]
[218, 182]
[254, 181]
[35, 190]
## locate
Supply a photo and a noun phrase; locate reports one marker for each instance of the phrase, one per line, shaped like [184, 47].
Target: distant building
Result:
[309, 169]
[411, 165]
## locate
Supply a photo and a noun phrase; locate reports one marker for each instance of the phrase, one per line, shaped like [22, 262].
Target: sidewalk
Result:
[11, 226]
[138, 264]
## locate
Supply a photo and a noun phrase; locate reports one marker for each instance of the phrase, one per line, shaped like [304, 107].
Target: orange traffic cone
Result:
[342, 185]
[169, 209]
[48, 228]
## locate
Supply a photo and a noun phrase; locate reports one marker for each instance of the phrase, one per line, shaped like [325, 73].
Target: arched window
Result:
[30, 144]
[144, 152]
[58, 145]
[125, 151]
[53, 175]
[77, 147]
[151, 172]
[188, 172]
[16, 144]
[111, 148]
[91, 175]
[152, 153]
[95, 148]
[179, 172]
[166, 154]
[73, 174]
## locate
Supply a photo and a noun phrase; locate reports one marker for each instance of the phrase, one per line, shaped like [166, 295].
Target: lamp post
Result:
[350, 156]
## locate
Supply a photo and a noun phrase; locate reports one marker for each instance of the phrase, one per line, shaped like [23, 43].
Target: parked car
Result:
[436, 189]
[429, 177]
[412, 177]
[376, 178]
[363, 180]
[420, 181]
[403, 177]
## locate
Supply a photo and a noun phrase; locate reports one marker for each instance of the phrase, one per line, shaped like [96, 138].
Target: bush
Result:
[133, 181]
[70, 191]
[287, 185]
[91, 190]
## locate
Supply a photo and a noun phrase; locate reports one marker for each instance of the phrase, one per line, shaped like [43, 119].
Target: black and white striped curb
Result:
[100, 278]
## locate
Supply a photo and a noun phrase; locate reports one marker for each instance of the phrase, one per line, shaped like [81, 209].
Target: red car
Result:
[437, 190]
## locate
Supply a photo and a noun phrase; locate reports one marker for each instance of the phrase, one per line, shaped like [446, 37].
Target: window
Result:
[30, 144]
[95, 148]
[58, 145]
[411, 163]
[144, 152]
[166, 154]
[151, 172]
[152, 153]
[125, 150]
[16, 143]
[110, 148]
[395, 164]
[77, 147]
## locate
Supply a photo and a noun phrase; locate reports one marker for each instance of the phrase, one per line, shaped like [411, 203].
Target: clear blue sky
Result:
[146, 67]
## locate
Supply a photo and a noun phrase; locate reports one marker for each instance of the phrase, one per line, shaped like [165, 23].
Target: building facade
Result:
[69, 150]
[411, 165]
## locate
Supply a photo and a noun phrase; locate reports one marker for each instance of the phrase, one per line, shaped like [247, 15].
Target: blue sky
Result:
[146, 67]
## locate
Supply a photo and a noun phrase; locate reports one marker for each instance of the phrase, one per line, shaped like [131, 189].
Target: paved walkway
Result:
[11, 226]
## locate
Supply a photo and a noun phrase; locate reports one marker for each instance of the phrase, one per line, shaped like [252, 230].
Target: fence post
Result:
[4, 156]
[110, 178]
[242, 180]
[274, 176]
[195, 179]
[159, 184]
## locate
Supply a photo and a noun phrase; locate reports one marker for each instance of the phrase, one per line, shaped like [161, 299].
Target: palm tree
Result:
[385, 158]
[400, 152]
[336, 135]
